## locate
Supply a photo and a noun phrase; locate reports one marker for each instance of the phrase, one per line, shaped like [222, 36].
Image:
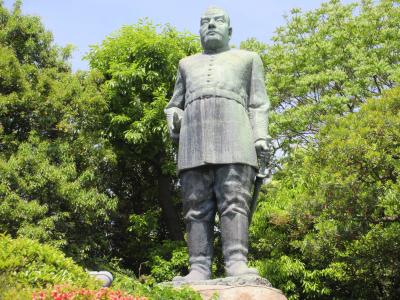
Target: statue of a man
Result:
[218, 113]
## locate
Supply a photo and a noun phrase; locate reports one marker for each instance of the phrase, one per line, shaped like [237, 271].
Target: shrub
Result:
[27, 263]
[150, 289]
[328, 228]
[70, 293]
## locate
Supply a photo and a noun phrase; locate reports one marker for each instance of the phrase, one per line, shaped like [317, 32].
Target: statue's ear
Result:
[230, 32]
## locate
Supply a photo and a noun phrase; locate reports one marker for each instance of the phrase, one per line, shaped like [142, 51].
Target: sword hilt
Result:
[264, 159]
[264, 171]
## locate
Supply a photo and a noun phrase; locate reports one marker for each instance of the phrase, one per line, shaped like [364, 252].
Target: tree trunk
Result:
[170, 215]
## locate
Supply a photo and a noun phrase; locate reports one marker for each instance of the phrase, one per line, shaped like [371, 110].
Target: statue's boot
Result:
[234, 232]
[200, 236]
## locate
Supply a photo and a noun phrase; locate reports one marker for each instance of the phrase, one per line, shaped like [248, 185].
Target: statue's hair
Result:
[212, 7]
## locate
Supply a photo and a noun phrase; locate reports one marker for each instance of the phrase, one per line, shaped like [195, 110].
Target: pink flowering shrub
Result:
[68, 293]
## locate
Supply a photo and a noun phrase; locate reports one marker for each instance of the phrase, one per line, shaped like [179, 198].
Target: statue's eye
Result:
[204, 21]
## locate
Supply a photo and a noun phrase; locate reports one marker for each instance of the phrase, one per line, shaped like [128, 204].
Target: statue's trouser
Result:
[227, 187]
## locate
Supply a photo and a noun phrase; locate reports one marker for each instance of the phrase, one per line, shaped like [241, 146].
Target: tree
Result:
[52, 151]
[139, 64]
[329, 225]
[85, 161]
[328, 62]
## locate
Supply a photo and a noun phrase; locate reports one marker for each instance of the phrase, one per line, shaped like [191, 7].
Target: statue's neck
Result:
[216, 51]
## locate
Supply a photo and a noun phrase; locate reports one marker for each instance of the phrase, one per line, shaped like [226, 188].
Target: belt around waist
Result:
[207, 93]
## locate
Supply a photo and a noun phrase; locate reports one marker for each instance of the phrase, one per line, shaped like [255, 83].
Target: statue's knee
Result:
[233, 208]
[206, 215]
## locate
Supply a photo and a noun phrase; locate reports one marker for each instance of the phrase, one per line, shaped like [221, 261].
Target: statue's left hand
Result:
[262, 145]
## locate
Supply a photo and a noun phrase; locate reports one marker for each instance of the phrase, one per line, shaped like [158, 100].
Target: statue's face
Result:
[215, 31]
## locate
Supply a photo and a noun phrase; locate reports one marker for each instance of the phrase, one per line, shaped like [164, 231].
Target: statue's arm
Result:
[258, 104]
[174, 109]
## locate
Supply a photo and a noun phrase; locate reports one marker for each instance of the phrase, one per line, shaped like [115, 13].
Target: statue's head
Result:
[215, 29]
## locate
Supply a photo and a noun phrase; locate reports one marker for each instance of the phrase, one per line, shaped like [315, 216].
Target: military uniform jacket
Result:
[222, 101]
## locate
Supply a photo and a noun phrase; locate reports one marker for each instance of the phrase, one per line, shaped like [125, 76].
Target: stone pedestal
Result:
[235, 288]
[246, 292]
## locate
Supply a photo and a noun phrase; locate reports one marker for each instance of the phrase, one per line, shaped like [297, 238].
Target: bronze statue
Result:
[218, 114]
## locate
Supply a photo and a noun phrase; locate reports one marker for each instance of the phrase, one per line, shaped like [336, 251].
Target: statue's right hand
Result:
[175, 127]
[175, 137]
[176, 122]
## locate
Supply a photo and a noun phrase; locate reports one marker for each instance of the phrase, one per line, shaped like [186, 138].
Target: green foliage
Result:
[31, 42]
[86, 164]
[44, 197]
[151, 290]
[52, 150]
[169, 260]
[27, 263]
[327, 62]
[337, 187]
[26, 266]
[329, 224]
[139, 64]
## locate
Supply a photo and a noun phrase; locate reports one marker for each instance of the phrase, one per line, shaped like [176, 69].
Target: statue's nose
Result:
[211, 24]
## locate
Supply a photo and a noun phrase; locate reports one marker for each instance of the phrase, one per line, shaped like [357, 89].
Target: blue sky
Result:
[87, 22]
